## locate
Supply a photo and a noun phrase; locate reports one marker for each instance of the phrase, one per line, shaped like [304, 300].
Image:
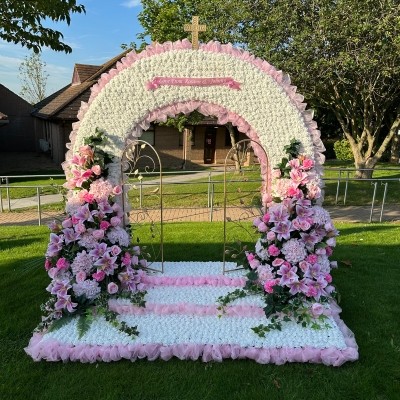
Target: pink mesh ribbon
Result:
[158, 81]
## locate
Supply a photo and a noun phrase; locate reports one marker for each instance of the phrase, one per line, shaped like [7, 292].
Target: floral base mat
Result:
[181, 320]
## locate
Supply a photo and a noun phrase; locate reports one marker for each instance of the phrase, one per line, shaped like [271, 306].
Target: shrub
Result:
[343, 150]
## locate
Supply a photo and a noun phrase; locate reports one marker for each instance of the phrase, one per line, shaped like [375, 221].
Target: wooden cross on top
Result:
[195, 28]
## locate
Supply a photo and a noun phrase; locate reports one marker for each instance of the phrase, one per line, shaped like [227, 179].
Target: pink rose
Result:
[99, 276]
[96, 170]
[317, 309]
[98, 234]
[115, 250]
[273, 250]
[115, 221]
[112, 288]
[295, 163]
[328, 278]
[117, 190]
[262, 227]
[80, 277]
[271, 236]
[62, 263]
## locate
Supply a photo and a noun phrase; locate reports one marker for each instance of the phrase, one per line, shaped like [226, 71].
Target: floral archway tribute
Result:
[97, 274]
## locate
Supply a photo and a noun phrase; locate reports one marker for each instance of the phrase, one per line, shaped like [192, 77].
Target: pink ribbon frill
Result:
[51, 350]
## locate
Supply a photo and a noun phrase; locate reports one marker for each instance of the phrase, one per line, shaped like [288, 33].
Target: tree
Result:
[33, 78]
[22, 22]
[343, 55]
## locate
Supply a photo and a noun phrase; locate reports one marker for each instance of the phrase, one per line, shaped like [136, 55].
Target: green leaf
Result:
[59, 323]
[83, 325]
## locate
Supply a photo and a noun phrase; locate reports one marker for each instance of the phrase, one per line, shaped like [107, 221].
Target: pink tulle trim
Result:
[51, 350]
[185, 308]
[212, 280]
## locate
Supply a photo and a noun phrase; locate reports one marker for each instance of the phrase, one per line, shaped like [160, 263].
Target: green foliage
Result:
[22, 22]
[344, 56]
[343, 150]
[84, 322]
[181, 121]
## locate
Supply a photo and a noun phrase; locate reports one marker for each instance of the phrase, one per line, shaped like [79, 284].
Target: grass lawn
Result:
[368, 281]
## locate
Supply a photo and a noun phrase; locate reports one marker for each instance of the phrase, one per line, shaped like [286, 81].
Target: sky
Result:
[95, 37]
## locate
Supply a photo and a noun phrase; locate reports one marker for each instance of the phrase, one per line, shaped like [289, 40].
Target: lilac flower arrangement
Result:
[290, 265]
[89, 258]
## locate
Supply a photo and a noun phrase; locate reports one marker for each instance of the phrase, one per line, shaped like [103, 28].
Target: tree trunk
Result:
[395, 150]
[233, 143]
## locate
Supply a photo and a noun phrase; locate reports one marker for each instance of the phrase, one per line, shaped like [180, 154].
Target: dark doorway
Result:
[209, 146]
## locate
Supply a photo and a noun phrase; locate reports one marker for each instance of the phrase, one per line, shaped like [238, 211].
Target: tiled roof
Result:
[83, 72]
[65, 103]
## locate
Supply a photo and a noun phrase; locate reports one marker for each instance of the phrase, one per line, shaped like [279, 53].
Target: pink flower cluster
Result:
[297, 238]
[89, 252]
[301, 176]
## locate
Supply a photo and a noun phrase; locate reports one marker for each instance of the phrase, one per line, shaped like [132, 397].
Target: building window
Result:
[228, 142]
[193, 141]
[148, 136]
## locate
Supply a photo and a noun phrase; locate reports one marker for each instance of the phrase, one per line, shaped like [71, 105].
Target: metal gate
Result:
[142, 169]
[245, 162]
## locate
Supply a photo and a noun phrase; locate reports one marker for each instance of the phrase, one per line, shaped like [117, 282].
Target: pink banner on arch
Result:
[158, 81]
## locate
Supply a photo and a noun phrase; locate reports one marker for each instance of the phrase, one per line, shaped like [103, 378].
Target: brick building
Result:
[206, 143]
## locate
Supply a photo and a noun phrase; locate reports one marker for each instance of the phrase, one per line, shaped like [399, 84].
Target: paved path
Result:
[350, 214]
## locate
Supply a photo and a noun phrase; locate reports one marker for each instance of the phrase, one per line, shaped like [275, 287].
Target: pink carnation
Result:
[307, 164]
[273, 250]
[99, 276]
[62, 263]
[269, 285]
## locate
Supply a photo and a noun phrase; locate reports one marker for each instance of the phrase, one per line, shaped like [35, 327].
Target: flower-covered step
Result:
[188, 334]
